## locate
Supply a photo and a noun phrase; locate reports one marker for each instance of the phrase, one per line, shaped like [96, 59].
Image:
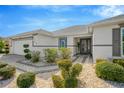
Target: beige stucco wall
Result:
[37, 43]
[102, 36]
[42, 42]
[45, 40]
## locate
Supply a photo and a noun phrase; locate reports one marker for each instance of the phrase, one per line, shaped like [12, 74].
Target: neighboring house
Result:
[102, 39]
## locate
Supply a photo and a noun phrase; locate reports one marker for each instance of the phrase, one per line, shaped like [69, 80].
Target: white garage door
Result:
[18, 45]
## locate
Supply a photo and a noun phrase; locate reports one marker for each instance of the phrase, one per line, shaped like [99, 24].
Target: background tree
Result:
[2, 45]
[6, 47]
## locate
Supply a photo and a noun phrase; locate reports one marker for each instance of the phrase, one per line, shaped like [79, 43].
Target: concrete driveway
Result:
[11, 58]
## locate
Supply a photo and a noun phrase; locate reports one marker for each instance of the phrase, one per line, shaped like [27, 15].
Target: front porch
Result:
[83, 45]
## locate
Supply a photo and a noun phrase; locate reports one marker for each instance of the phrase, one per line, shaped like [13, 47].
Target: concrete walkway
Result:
[84, 59]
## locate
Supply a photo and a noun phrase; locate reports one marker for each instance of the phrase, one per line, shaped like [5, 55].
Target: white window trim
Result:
[122, 55]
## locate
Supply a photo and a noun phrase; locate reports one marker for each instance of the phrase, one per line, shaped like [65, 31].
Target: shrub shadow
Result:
[115, 84]
[4, 83]
[33, 86]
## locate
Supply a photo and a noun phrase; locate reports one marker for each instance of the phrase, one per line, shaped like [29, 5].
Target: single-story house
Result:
[102, 39]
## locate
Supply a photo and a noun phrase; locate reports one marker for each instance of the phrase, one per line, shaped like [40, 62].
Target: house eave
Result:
[110, 21]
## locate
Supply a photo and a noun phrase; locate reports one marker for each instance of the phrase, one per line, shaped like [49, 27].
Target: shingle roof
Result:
[38, 31]
[71, 30]
[112, 20]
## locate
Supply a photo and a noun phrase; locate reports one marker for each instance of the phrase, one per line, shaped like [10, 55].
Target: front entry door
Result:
[85, 46]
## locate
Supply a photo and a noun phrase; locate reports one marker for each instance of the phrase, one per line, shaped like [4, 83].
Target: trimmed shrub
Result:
[7, 72]
[65, 53]
[110, 71]
[70, 83]
[65, 74]
[64, 64]
[6, 47]
[69, 73]
[28, 56]
[57, 81]
[7, 51]
[76, 69]
[51, 55]
[119, 61]
[26, 50]
[3, 65]
[26, 45]
[25, 80]
[35, 56]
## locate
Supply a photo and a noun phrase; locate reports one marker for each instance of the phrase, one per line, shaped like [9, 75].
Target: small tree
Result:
[27, 51]
[69, 73]
[6, 47]
[2, 45]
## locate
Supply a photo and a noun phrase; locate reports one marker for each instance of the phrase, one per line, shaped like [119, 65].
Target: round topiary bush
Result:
[76, 69]
[57, 81]
[64, 64]
[28, 56]
[26, 45]
[26, 50]
[7, 72]
[25, 80]
[110, 71]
